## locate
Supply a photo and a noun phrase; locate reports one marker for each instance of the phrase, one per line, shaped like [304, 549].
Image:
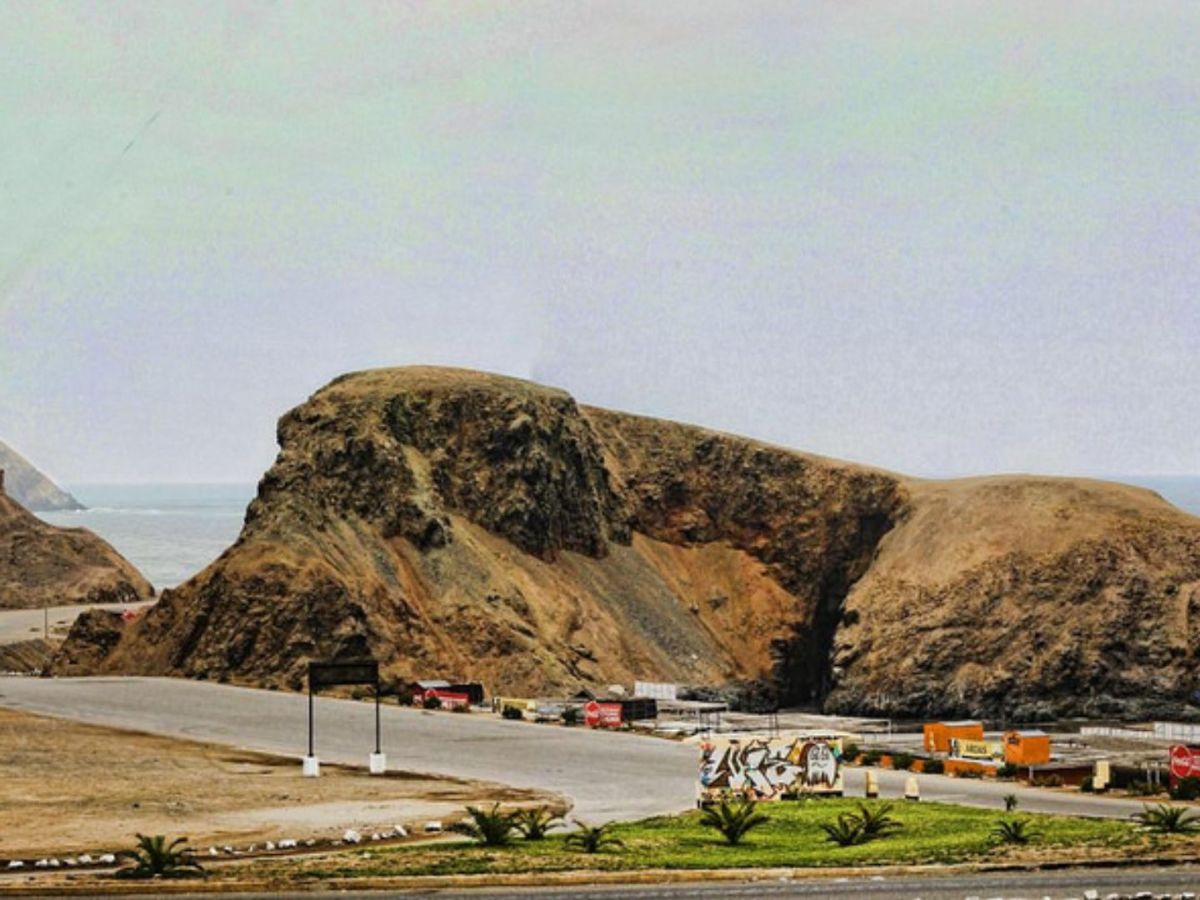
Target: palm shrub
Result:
[850, 751]
[844, 831]
[934, 767]
[733, 820]
[1008, 770]
[875, 820]
[570, 715]
[155, 858]
[512, 712]
[489, 827]
[535, 823]
[1166, 819]
[1010, 802]
[593, 839]
[1013, 831]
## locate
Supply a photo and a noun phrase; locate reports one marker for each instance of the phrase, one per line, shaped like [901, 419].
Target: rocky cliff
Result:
[31, 488]
[455, 523]
[44, 565]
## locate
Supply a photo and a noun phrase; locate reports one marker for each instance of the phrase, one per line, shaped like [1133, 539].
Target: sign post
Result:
[329, 674]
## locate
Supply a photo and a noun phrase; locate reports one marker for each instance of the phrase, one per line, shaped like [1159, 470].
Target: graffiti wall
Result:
[769, 768]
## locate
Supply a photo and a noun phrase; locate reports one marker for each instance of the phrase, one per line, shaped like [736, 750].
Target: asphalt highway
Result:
[606, 775]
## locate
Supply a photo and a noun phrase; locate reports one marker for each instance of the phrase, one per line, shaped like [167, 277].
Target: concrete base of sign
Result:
[312, 767]
[378, 763]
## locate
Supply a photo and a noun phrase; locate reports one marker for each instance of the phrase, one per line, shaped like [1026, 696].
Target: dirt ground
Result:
[68, 788]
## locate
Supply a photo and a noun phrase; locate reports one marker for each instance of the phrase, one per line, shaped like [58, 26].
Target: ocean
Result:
[172, 531]
[169, 531]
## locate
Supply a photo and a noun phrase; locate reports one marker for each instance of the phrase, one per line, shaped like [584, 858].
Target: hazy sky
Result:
[944, 238]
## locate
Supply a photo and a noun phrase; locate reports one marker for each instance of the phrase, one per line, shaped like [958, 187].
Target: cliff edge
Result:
[452, 522]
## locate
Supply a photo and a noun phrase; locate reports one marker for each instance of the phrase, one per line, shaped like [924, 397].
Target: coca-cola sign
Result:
[1185, 762]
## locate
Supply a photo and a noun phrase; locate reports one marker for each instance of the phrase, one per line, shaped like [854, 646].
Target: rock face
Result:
[31, 488]
[460, 524]
[44, 565]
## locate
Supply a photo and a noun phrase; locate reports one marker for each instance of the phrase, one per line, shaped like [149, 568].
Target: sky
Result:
[942, 238]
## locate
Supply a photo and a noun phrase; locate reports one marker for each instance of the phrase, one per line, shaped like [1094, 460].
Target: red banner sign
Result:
[602, 715]
[1185, 762]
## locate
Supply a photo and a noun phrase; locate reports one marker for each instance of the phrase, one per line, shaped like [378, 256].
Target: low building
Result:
[1026, 748]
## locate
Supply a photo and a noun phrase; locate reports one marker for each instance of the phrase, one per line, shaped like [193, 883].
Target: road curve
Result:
[606, 776]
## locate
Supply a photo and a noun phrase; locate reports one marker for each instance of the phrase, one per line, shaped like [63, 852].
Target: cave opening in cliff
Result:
[803, 660]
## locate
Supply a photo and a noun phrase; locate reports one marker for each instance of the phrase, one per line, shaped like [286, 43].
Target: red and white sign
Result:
[1185, 762]
[602, 715]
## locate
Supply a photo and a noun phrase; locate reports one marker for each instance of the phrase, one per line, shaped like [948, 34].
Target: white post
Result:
[312, 767]
[871, 785]
[377, 762]
[912, 791]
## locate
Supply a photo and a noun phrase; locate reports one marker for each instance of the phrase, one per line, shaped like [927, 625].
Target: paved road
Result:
[1010, 885]
[23, 624]
[606, 775]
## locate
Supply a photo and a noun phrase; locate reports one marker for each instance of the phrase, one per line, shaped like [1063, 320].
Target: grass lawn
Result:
[931, 833]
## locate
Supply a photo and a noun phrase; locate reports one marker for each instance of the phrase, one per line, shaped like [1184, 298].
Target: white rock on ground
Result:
[400, 830]
[85, 859]
[16, 864]
[107, 859]
[433, 827]
[351, 836]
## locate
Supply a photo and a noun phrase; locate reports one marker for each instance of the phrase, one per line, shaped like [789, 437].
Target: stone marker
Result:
[912, 791]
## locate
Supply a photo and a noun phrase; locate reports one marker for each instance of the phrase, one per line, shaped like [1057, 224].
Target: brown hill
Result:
[44, 565]
[456, 523]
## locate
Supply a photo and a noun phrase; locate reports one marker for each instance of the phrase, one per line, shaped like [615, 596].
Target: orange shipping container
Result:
[1026, 748]
[939, 734]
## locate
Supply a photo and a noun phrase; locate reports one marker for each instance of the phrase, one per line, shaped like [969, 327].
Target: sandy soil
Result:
[67, 788]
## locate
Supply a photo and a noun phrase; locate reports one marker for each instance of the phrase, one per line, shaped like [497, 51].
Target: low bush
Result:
[733, 820]
[1013, 831]
[570, 715]
[934, 767]
[1088, 785]
[432, 703]
[1008, 770]
[460, 708]
[489, 827]
[850, 751]
[903, 760]
[593, 839]
[1166, 819]
[1186, 789]
[512, 712]
[1143, 788]
[1048, 781]
[872, 757]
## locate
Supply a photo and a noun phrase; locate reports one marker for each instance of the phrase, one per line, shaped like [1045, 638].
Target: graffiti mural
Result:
[769, 768]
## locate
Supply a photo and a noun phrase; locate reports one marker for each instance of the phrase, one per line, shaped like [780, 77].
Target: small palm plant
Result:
[489, 827]
[1166, 819]
[535, 823]
[595, 839]
[1013, 831]
[846, 831]
[733, 820]
[155, 858]
[875, 820]
[1010, 802]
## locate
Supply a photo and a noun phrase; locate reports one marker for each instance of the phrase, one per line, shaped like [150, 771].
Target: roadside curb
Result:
[571, 879]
